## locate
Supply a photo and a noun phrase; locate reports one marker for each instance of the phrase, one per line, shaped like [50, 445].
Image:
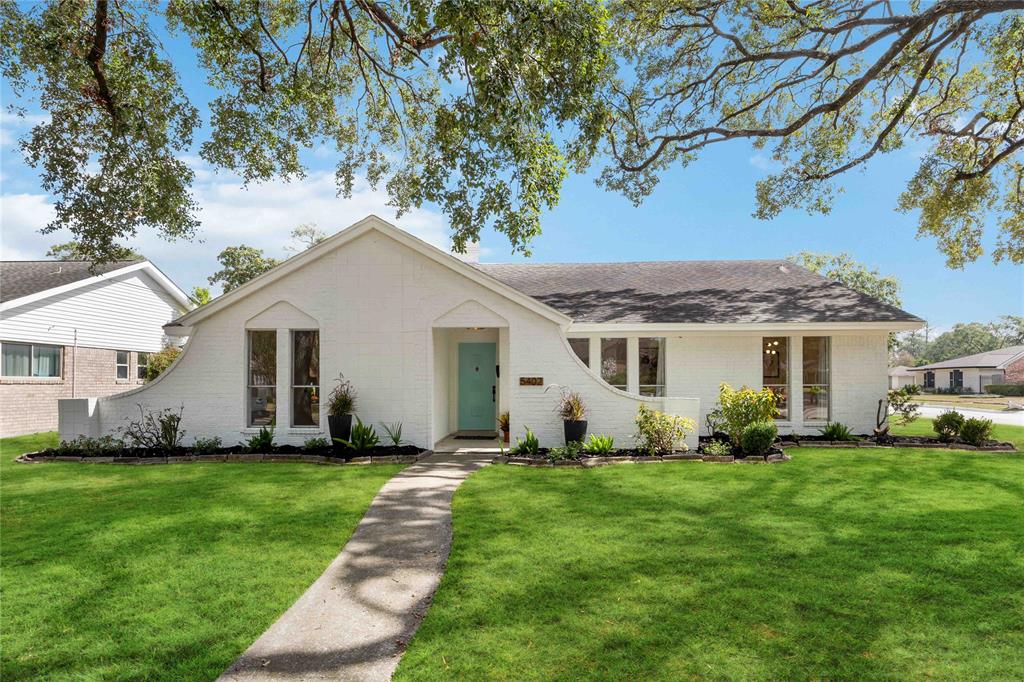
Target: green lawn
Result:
[160, 572]
[862, 564]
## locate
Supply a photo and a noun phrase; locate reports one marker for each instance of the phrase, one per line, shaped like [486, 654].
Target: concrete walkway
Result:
[355, 621]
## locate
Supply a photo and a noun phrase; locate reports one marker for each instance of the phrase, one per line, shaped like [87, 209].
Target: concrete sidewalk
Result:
[354, 622]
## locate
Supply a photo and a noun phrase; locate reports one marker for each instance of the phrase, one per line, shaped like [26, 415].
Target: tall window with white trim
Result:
[775, 371]
[816, 381]
[262, 377]
[613, 362]
[306, 378]
[652, 367]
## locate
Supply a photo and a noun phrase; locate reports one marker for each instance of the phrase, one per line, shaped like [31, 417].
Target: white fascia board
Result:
[165, 282]
[695, 327]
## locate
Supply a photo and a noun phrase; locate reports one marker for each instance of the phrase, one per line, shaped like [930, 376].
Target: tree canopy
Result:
[859, 277]
[963, 339]
[239, 265]
[76, 251]
[482, 108]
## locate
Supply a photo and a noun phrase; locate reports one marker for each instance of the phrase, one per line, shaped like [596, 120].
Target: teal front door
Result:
[477, 383]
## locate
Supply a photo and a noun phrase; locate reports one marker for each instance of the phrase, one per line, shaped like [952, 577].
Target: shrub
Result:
[342, 399]
[206, 446]
[1005, 389]
[901, 402]
[717, 448]
[714, 421]
[261, 440]
[394, 432]
[83, 446]
[317, 443]
[743, 407]
[529, 445]
[572, 450]
[948, 424]
[571, 406]
[155, 430]
[658, 433]
[158, 362]
[837, 431]
[758, 437]
[976, 431]
[504, 421]
[363, 437]
[599, 445]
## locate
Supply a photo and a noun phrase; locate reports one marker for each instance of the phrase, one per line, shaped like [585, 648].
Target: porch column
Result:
[595, 353]
[633, 364]
[796, 381]
[283, 416]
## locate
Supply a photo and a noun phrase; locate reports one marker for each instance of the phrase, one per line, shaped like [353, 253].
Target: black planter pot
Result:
[341, 427]
[574, 430]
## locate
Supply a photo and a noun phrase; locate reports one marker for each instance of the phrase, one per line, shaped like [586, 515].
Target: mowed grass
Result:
[862, 564]
[160, 572]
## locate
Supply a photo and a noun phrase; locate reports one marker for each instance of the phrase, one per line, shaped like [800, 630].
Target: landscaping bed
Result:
[791, 440]
[544, 458]
[404, 454]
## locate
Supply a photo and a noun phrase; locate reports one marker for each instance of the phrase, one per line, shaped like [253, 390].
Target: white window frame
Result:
[140, 366]
[659, 389]
[127, 364]
[600, 360]
[32, 360]
[291, 377]
[787, 391]
[827, 386]
[248, 376]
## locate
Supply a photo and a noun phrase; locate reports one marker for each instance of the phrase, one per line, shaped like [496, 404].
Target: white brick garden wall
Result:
[378, 304]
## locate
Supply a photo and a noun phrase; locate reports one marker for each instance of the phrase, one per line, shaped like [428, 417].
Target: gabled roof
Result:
[703, 292]
[360, 228]
[900, 371]
[22, 282]
[993, 359]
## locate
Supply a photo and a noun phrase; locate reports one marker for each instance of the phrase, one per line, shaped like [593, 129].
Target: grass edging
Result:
[40, 458]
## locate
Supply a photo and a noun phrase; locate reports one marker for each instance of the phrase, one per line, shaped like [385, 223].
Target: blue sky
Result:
[700, 212]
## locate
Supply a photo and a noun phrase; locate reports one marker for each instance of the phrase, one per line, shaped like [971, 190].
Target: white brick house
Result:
[415, 329]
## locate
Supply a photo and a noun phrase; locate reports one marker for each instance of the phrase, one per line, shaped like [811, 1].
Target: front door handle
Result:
[494, 394]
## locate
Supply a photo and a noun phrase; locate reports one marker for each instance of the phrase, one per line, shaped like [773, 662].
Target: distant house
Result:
[901, 376]
[67, 332]
[972, 373]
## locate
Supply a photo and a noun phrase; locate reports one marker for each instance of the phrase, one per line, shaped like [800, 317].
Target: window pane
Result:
[122, 371]
[305, 358]
[652, 367]
[306, 406]
[142, 365]
[262, 406]
[775, 371]
[46, 361]
[613, 362]
[816, 378]
[582, 349]
[16, 359]
[122, 357]
[263, 358]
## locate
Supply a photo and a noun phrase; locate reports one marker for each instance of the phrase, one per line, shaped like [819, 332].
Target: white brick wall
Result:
[377, 304]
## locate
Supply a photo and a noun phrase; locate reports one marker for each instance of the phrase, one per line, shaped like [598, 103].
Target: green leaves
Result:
[240, 264]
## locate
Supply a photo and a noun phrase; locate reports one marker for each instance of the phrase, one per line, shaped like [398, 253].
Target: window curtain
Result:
[16, 359]
[46, 361]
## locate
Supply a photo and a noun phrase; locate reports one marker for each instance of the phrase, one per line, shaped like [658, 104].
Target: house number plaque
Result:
[531, 381]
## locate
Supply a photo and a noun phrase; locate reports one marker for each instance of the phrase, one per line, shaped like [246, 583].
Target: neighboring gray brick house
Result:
[66, 331]
[444, 345]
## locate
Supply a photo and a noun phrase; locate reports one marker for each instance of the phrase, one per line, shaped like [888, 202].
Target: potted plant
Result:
[504, 424]
[573, 411]
[340, 405]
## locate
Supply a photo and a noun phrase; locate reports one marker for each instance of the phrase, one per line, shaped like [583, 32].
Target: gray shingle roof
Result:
[24, 278]
[992, 358]
[713, 292]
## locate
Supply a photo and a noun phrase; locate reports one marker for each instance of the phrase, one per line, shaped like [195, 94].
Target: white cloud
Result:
[261, 215]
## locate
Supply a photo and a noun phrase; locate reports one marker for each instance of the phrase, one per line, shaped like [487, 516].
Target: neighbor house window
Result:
[581, 347]
[775, 371]
[262, 377]
[142, 366]
[652, 367]
[121, 364]
[929, 379]
[306, 378]
[816, 378]
[956, 379]
[613, 362]
[29, 360]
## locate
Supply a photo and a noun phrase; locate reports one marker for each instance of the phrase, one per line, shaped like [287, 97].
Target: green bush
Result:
[837, 431]
[363, 437]
[758, 437]
[206, 446]
[572, 450]
[394, 431]
[599, 444]
[262, 440]
[342, 399]
[83, 446]
[743, 407]
[976, 431]
[658, 433]
[947, 425]
[160, 361]
[316, 443]
[717, 448]
[1005, 389]
[529, 445]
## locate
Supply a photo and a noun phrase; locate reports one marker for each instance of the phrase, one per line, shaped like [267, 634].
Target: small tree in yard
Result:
[745, 406]
[899, 401]
[158, 362]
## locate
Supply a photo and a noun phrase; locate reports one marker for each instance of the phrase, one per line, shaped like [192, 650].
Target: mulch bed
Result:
[893, 442]
[636, 457]
[405, 454]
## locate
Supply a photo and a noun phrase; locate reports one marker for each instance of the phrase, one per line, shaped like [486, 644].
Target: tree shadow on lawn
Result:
[752, 572]
[164, 572]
